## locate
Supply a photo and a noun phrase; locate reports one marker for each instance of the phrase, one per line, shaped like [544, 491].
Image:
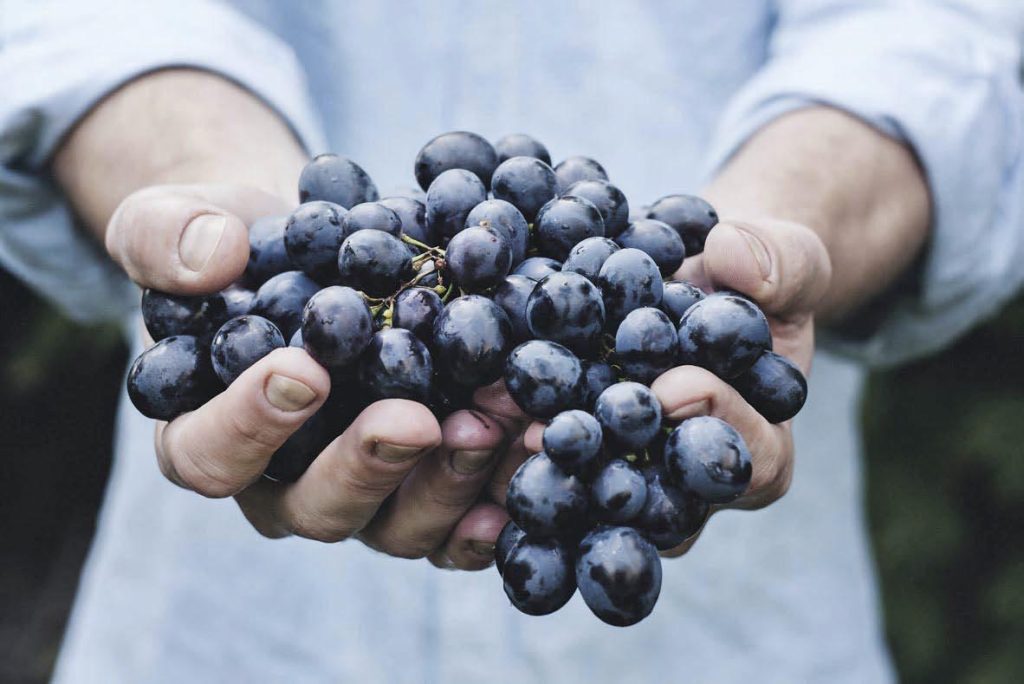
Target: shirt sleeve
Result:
[944, 78]
[57, 60]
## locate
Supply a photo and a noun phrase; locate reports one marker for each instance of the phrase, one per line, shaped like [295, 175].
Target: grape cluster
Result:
[504, 268]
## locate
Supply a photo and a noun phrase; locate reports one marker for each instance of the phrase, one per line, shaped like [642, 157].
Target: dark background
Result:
[945, 490]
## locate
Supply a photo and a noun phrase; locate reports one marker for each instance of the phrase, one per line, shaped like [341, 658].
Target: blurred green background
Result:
[945, 488]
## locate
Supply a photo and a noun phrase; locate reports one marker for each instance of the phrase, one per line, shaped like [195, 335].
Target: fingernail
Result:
[759, 252]
[288, 394]
[468, 462]
[200, 240]
[395, 453]
[483, 549]
[696, 408]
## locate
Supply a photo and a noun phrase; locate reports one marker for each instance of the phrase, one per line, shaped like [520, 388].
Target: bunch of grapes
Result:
[506, 269]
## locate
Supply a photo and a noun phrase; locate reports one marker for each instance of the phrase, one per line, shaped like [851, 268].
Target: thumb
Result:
[784, 266]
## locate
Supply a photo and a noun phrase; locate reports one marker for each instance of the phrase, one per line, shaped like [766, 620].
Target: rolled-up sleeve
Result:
[945, 78]
[57, 60]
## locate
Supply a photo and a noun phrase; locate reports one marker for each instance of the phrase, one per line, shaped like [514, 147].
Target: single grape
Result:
[335, 179]
[608, 199]
[539, 577]
[336, 325]
[543, 378]
[166, 315]
[545, 501]
[618, 493]
[511, 295]
[537, 268]
[447, 397]
[240, 343]
[630, 415]
[371, 216]
[172, 377]
[509, 537]
[575, 169]
[564, 222]
[526, 183]
[670, 516]
[658, 240]
[450, 198]
[723, 333]
[774, 386]
[479, 258]
[282, 298]
[629, 279]
[267, 254]
[568, 309]
[691, 217]
[299, 451]
[231, 302]
[619, 575]
[415, 311]
[521, 145]
[588, 256]
[455, 150]
[707, 457]
[413, 216]
[374, 262]
[472, 336]
[597, 377]
[572, 440]
[396, 365]
[507, 220]
[312, 237]
[646, 344]
[678, 296]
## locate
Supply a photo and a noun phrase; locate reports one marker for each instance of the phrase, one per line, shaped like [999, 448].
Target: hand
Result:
[396, 479]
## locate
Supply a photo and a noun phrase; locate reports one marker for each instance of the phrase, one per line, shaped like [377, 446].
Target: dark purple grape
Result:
[574, 169]
[539, 577]
[282, 298]
[545, 501]
[312, 237]
[646, 344]
[629, 279]
[172, 377]
[231, 302]
[587, 257]
[708, 458]
[415, 311]
[335, 179]
[478, 258]
[619, 575]
[608, 199]
[447, 397]
[572, 440]
[537, 268]
[670, 516]
[371, 216]
[597, 377]
[774, 386]
[413, 215]
[472, 337]
[618, 493]
[299, 451]
[396, 365]
[167, 314]
[690, 216]
[336, 325]
[267, 255]
[455, 150]
[568, 309]
[507, 220]
[509, 537]
[678, 296]
[450, 198]
[658, 240]
[565, 221]
[511, 295]
[526, 183]
[374, 262]
[240, 343]
[543, 378]
[723, 333]
[630, 415]
[521, 145]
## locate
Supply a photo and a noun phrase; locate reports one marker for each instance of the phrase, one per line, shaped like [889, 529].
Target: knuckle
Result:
[249, 427]
[394, 544]
[318, 528]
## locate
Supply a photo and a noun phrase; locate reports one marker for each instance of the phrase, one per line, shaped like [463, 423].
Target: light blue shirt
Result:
[179, 588]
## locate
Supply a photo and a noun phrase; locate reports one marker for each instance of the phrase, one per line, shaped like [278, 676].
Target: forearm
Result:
[174, 126]
[862, 192]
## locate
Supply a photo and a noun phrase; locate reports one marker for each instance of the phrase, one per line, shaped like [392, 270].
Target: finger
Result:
[689, 391]
[471, 544]
[533, 438]
[444, 484]
[186, 239]
[223, 446]
[692, 271]
[514, 456]
[347, 483]
[495, 401]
